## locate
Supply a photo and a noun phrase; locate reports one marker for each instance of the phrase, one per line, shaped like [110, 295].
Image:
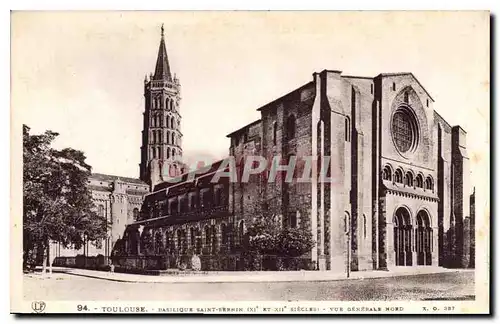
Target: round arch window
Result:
[404, 130]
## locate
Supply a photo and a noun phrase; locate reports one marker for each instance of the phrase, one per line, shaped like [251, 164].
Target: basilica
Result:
[401, 195]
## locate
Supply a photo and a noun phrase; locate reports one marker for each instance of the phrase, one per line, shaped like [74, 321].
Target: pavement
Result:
[250, 276]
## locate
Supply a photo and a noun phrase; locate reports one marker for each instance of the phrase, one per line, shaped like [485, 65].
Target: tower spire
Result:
[162, 70]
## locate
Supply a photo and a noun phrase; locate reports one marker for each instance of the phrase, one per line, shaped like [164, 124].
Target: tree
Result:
[57, 203]
[266, 235]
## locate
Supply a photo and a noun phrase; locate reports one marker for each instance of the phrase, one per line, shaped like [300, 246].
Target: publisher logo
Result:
[38, 306]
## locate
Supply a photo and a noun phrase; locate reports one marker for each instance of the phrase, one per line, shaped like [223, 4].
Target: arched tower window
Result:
[290, 127]
[173, 152]
[135, 214]
[168, 153]
[160, 136]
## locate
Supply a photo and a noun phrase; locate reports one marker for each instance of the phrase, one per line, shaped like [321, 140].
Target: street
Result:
[441, 286]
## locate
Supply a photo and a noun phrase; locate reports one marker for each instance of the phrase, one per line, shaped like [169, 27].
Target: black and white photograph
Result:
[250, 162]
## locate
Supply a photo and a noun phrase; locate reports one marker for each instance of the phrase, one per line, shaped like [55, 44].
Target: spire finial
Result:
[162, 30]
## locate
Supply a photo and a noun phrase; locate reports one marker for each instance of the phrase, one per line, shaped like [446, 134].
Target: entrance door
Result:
[423, 239]
[402, 237]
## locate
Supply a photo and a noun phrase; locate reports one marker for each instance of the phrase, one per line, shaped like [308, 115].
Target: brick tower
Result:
[161, 150]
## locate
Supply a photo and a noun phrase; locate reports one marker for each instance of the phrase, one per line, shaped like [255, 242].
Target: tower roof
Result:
[162, 70]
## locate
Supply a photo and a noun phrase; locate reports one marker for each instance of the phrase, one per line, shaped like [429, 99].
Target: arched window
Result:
[290, 127]
[387, 173]
[275, 132]
[429, 184]
[409, 179]
[135, 214]
[347, 129]
[154, 153]
[419, 181]
[398, 176]
[172, 139]
[173, 153]
[168, 152]
[160, 136]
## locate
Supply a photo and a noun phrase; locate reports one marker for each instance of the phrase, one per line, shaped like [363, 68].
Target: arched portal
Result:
[423, 238]
[402, 237]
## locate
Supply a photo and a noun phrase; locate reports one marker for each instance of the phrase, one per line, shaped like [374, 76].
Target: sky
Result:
[81, 73]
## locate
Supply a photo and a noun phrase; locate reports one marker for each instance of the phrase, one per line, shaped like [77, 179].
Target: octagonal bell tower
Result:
[161, 150]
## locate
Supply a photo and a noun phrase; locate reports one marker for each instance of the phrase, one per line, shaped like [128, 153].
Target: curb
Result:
[256, 280]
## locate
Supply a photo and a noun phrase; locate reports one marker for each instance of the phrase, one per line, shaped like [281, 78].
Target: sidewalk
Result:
[254, 276]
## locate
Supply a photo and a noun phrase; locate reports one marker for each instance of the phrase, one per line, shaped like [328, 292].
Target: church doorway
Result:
[402, 237]
[423, 238]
